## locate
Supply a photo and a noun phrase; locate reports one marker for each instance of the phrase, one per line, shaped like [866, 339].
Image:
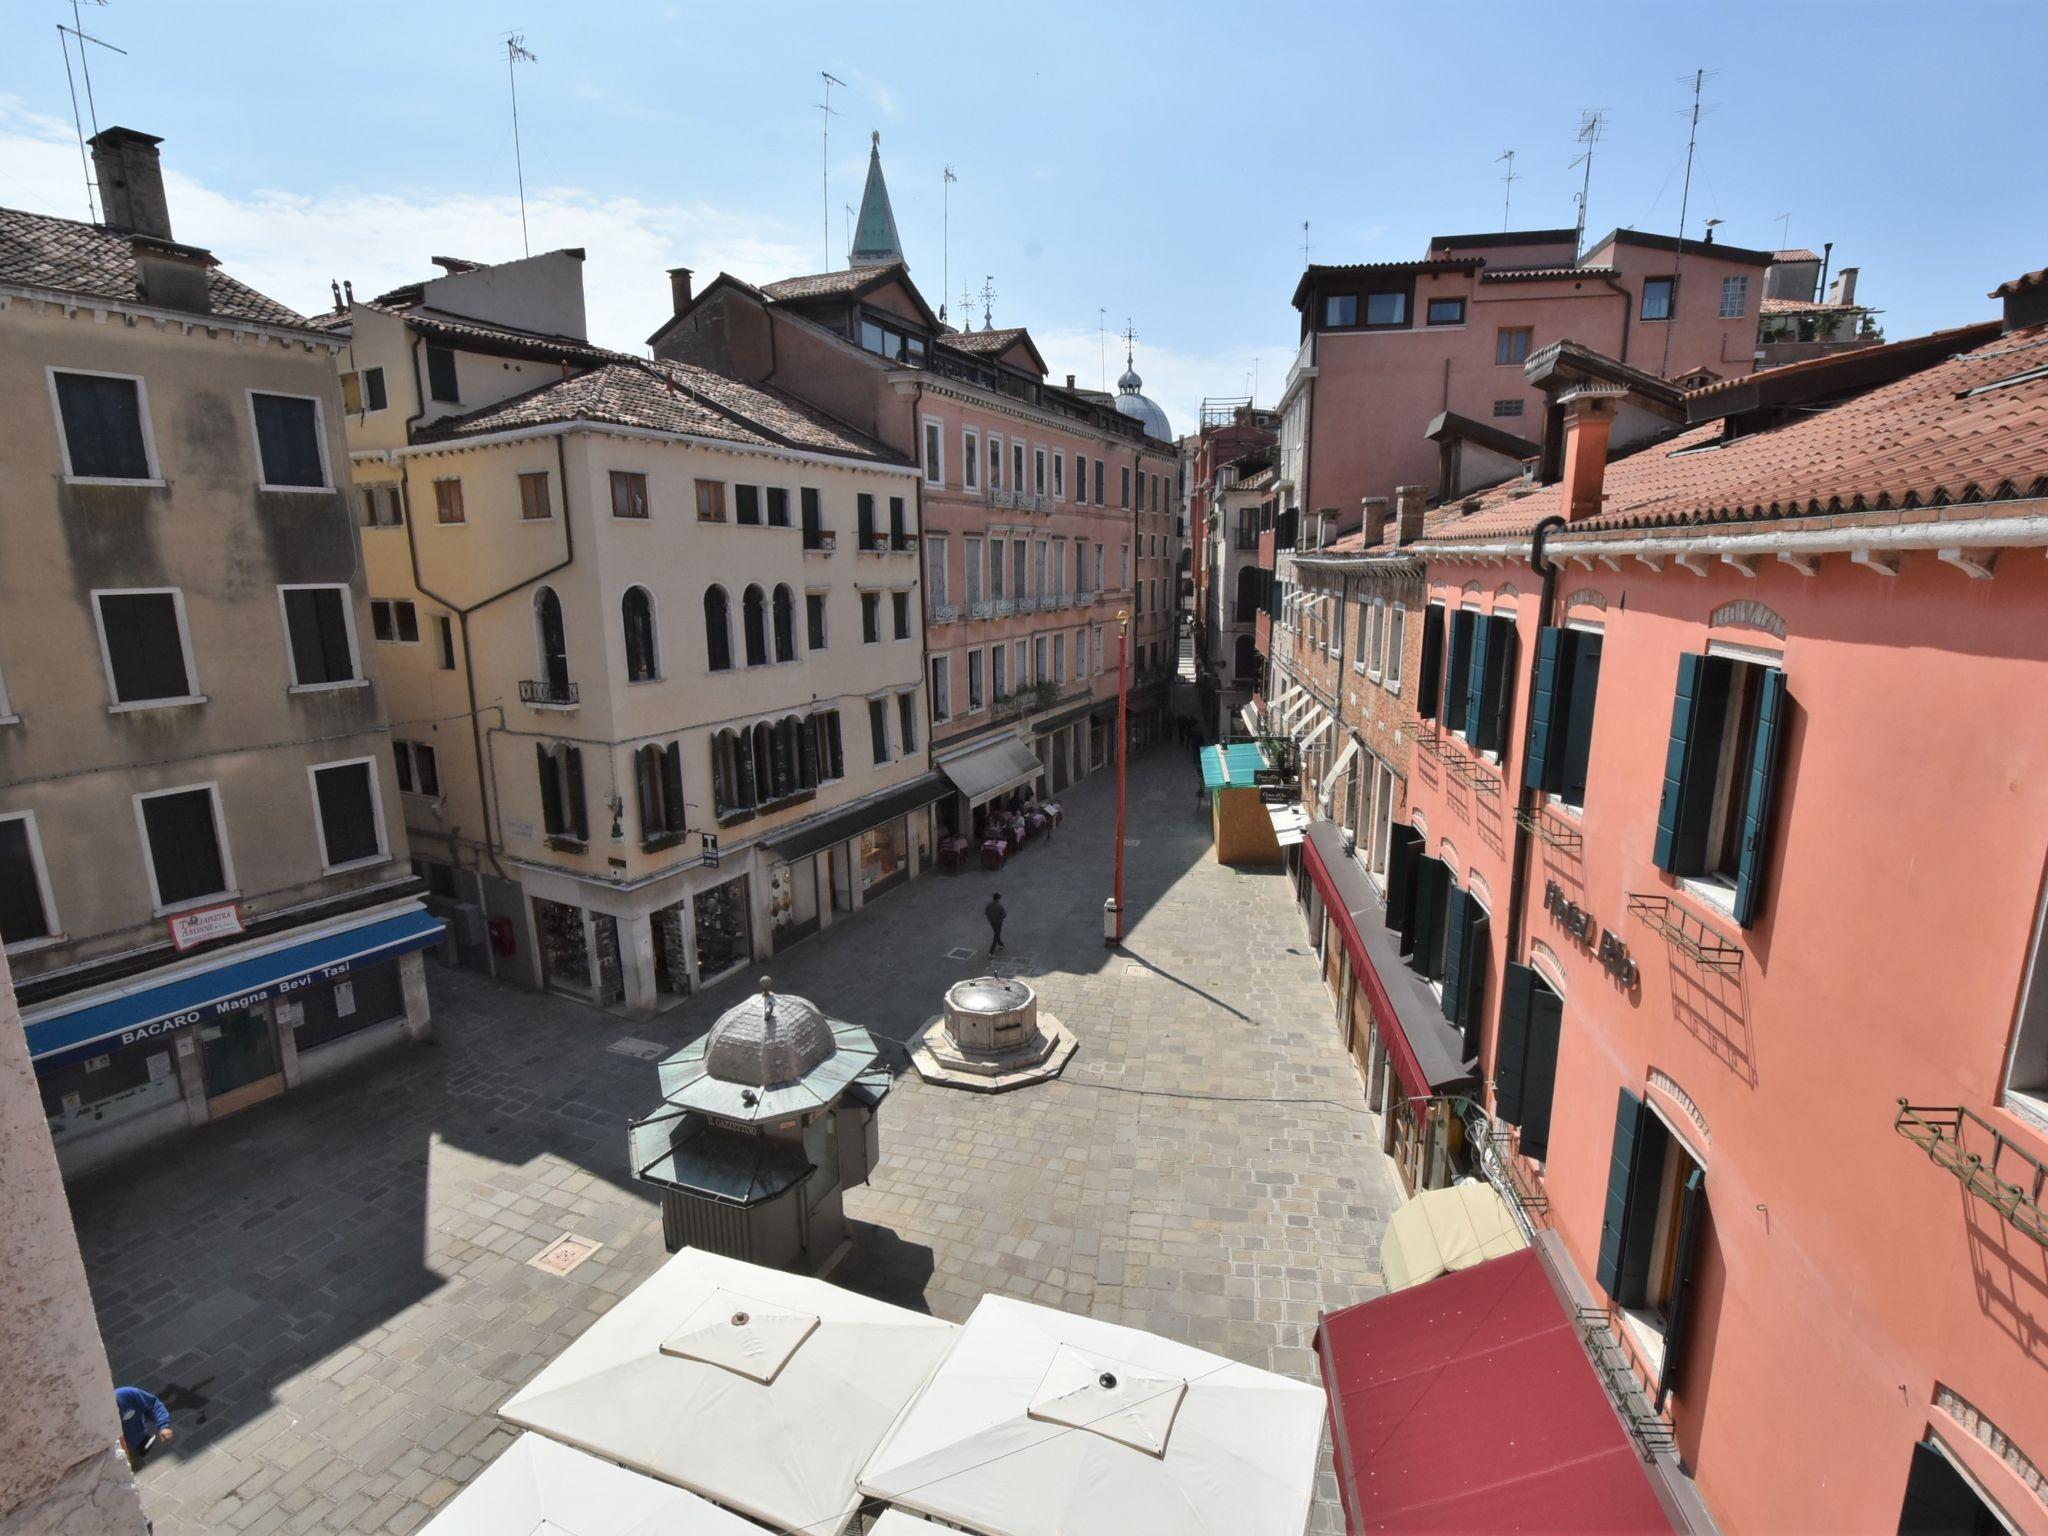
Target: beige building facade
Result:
[204, 888]
[653, 640]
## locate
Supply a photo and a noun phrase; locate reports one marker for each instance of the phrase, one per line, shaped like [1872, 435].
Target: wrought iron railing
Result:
[541, 690]
[944, 613]
[1617, 1370]
[1558, 831]
[1941, 1133]
[1706, 948]
[818, 542]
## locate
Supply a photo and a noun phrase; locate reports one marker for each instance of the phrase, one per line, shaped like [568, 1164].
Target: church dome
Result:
[1138, 407]
[768, 1040]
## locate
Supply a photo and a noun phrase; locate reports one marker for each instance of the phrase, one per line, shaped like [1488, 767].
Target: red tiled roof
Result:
[1801, 253]
[668, 397]
[38, 251]
[2020, 284]
[1924, 439]
[822, 284]
[982, 343]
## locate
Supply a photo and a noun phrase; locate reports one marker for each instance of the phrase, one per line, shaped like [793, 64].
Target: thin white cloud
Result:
[291, 244]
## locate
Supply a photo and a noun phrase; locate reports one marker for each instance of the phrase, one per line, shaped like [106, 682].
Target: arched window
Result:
[1248, 577]
[636, 609]
[785, 624]
[761, 739]
[754, 618]
[554, 645]
[1247, 658]
[717, 629]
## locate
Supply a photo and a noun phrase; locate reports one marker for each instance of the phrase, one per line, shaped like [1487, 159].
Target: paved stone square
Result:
[333, 1291]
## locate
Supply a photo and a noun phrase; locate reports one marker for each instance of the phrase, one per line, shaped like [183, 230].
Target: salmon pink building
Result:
[1723, 861]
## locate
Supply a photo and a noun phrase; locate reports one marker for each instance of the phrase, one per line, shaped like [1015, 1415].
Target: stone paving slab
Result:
[333, 1290]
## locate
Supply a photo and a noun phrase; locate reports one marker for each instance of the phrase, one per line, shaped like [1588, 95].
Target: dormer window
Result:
[887, 341]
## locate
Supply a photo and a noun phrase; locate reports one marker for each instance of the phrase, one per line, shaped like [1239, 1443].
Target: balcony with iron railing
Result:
[1988, 1163]
[819, 541]
[548, 693]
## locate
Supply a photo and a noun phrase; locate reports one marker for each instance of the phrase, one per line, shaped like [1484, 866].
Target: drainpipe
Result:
[1525, 797]
[1628, 306]
[484, 778]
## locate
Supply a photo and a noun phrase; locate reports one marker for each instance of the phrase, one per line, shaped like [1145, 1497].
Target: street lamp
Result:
[1113, 909]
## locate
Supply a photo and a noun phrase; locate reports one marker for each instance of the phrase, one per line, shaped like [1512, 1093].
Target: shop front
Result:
[578, 951]
[724, 927]
[990, 773]
[884, 857]
[122, 1065]
[830, 865]
[793, 899]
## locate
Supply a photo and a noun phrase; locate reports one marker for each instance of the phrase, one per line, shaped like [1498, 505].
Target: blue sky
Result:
[1140, 160]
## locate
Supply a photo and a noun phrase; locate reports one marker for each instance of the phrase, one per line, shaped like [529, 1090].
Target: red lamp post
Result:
[1113, 913]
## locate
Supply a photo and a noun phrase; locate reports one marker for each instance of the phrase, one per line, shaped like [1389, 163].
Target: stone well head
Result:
[991, 1013]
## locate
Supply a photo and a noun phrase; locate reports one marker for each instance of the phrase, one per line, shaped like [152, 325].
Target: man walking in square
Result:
[995, 913]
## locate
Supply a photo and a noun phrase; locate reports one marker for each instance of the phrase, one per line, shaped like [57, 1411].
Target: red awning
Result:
[1413, 1079]
[1468, 1403]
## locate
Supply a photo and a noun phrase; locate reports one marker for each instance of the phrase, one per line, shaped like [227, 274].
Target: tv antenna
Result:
[1784, 229]
[1508, 181]
[826, 112]
[64, 34]
[946, 237]
[1699, 80]
[517, 53]
[847, 209]
[1592, 124]
[1102, 343]
[988, 303]
[1304, 242]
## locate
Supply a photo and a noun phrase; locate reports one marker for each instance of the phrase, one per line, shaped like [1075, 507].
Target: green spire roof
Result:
[874, 236]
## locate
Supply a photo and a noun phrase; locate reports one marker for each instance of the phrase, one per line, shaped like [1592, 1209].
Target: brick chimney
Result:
[1588, 419]
[679, 288]
[131, 182]
[1844, 286]
[2026, 299]
[1410, 502]
[1375, 519]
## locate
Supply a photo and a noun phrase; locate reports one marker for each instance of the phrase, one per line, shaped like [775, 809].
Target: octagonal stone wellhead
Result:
[991, 1036]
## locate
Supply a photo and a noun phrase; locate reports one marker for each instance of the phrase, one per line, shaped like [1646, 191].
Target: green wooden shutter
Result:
[1546, 711]
[1763, 774]
[1458, 671]
[1429, 683]
[1539, 1070]
[672, 785]
[550, 791]
[1432, 884]
[1472, 984]
[578, 809]
[1476, 682]
[1621, 1178]
[647, 780]
[1501, 648]
[1676, 1310]
[1457, 937]
[1681, 831]
[1572, 746]
[1403, 843]
[1511, 1045]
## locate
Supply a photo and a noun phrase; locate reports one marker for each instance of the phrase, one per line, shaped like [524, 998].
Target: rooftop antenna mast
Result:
[1699, 79]
[946, 236]
[1102, 344]
[1304, 242]
[847, 209]
[64, 34]
[1508, 181]
[1592, 123]
[988, 302]
[826, 112]
[1784, 229]
[517, 53]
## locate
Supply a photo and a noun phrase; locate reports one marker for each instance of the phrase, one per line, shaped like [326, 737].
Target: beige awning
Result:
[986, 771]
[1445, 1229]
[1290, 824]
[1343, 758]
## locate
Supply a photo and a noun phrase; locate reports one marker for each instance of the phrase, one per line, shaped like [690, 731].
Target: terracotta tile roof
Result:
[1921, 440]
[38, 251]
[1800, 254]
[479, 335]
[821, 285]
[331, 320]
[1806, 307]
[668, 397]
[2020, 284]
[982, 343]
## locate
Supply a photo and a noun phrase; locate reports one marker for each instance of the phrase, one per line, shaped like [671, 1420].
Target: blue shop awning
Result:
[155, 1004]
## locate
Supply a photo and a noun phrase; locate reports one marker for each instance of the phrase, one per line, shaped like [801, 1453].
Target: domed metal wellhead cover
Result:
[768, 1040]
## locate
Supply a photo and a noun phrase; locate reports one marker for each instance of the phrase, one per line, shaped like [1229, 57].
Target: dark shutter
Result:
[1772, 705]
[21, 895]
[1687, 804]
[103, 426]
[1496, 703]
[672, 785]
[143, 647]
[1429, 682]
[401, 765]
[317, 620]
[373, 388]
[288, 440]
[1471, 988]
[1432, 885]
[441, 374]
[428, 769]
[647, 780]
[1621, 1179]
[1511, 1044]
[1541, 770]
[1403, 844]
[348, 818]
[1476, 686]
[550, 792]
[1458, 932]
[184, 848]
[1539, 1069]
[572, 786]
[1677, 1309]
[1574, 753]
[1457, 675]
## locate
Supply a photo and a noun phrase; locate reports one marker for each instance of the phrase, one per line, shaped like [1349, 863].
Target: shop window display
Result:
[101, 1091]
[724, 932]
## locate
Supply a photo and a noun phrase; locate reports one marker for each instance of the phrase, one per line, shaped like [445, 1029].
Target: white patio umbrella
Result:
[896, 1522]
[539, 1488]
[762, 1390]
[1040, 1423]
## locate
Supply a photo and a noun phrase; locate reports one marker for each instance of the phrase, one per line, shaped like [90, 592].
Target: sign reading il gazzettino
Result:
[205, 924]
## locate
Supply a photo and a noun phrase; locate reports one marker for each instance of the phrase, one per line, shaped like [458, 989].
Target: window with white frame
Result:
[395, 619]
[1017, 465]
[351, 822]
[319, 637]
[1081, 652]
[970, 459]
[363, 392]
[1386, 789]
[417, 768]
[975, 697]
[1059, 658]
[184, 849]
[1397, 642]
[1101, 657]
[935, 569]
[146, 647]
[995, 462]
[1734, 297]
[103, 425]
[1038, 471]
[1040, 672]
[1059, 476]
[970, 551]
[1038, 568]
[998, 568]
[934, 453]
[999, 670]
[942, 689]
[291, 449]
[28, 911]
[1020, 660]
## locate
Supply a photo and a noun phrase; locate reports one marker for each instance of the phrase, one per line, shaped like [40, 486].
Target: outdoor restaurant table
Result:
[993, 852]
[1037, 821]
[954, 850]
[1052, 809]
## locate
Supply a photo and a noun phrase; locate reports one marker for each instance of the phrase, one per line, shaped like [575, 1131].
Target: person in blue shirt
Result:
[145, 1421]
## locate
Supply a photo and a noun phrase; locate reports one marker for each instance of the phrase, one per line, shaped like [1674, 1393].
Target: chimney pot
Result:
[1070, 381]
[1375, 519]
[1410, 502]
[131, 181]
[1587, 424]
[1845, 286]
[679, 288]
